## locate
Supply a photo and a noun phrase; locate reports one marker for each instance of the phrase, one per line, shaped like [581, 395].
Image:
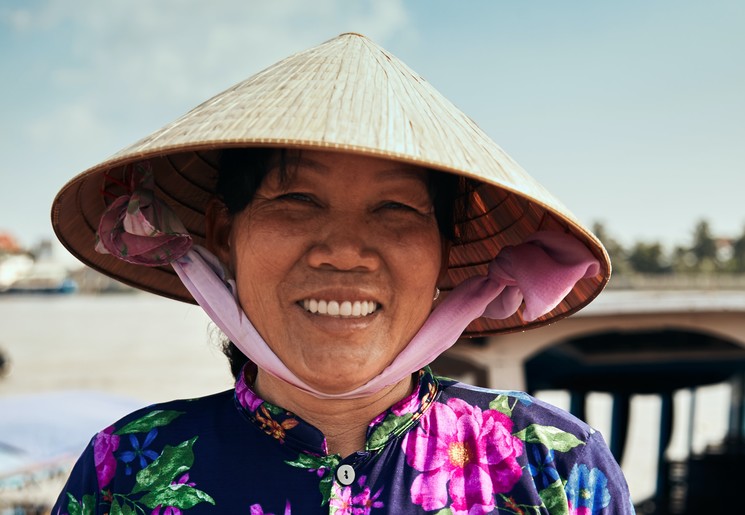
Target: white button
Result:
[345, 475]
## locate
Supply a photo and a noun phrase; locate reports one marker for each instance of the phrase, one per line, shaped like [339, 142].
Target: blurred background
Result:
[631, 113]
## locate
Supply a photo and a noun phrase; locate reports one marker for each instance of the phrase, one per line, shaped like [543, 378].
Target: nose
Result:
[345, 245]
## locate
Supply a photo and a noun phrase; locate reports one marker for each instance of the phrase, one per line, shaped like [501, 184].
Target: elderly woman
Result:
[316, 211]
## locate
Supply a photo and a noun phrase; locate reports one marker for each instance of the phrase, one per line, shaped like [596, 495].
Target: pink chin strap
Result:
[140, 229]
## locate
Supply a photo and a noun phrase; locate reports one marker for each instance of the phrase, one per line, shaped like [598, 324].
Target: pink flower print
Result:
[104, 446]
[365, 501]
[184, 480]
[406, 405]
[377, 420]
[246, 397]
[463, 453]
[256, 509]
[341, 502]
[168, 510]
[581, 510]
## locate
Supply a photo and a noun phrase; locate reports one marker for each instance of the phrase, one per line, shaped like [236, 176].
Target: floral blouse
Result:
[448, 449]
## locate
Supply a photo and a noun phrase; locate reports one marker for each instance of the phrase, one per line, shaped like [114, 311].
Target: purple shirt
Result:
[448, 449]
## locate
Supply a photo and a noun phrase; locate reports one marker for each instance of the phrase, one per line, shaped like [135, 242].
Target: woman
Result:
[337, 194]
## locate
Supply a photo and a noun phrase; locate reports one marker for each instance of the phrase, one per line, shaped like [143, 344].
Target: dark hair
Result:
[242, 170]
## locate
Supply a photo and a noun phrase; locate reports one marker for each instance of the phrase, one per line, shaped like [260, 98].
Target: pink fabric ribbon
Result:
[539, 272]
[138, 228]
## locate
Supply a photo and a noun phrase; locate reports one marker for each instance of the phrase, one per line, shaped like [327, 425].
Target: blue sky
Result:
[632, 113]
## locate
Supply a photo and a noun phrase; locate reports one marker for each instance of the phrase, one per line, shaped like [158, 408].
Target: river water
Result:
[134, 345]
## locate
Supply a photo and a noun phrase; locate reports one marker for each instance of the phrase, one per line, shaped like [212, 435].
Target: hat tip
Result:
[352, 34]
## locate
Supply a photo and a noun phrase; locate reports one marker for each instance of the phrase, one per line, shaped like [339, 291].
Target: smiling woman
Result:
[349, 227]
[316, 212]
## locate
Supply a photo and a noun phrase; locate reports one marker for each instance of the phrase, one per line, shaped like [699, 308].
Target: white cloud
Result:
[17, 19]
[174, 51]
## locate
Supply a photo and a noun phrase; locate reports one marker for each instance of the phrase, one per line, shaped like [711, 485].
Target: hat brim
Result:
[410, 123]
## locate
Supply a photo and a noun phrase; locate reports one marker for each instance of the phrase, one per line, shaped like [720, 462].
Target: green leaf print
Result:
[502, 405]
[552, 437]
[380, 436]
[172, 462]
[555, 498]
[86, 507]
[308, 461]
[327, 463]
[178, 496]
[326, 485]
[123, 509]
[89, 504]
[445, 511]
[157, 418]
[73, 506]
[274, 410]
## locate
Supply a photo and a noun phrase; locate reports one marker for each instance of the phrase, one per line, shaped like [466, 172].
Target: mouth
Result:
[341, 309]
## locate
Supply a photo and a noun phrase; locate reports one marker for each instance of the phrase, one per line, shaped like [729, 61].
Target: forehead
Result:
[311, 164]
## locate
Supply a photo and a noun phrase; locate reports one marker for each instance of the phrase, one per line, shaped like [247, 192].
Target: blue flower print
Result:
[139, 451]
[542, 467]
[587, 491]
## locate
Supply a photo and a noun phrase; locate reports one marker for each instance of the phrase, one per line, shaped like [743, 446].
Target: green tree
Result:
[704, 248]
[648, 258]
[737, 261]
[683, 260]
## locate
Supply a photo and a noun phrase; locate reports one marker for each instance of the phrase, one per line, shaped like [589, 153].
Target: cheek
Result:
[418, 265]
[257, 261]
[256, 245]
[258, 274]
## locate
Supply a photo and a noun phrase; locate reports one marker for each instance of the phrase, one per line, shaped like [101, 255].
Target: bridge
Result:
[658, 365]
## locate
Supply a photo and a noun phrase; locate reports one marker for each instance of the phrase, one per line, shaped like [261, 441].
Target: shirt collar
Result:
[289, 429]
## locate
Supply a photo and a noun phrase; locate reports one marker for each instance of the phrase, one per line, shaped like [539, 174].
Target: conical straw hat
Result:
[347, 94]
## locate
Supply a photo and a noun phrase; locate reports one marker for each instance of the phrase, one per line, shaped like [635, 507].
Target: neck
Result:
[343, 422]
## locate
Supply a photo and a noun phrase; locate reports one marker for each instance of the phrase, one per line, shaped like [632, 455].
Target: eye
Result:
[406, 208]
[398, 206]
[296, 196]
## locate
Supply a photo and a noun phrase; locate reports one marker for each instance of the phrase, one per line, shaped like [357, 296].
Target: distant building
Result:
[14, 261]
[8, 244]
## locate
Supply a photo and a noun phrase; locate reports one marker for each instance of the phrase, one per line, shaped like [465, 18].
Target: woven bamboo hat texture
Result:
[347, 94]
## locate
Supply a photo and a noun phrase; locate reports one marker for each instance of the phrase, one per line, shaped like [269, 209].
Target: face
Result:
[336, 265]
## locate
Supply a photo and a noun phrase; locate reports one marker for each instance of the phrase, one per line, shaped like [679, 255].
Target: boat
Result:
[45, 277]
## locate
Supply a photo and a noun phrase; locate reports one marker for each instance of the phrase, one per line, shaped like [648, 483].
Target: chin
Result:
[340, 383]
[334, 379]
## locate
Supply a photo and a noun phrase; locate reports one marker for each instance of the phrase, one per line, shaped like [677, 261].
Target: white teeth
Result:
[333, 308]
[345, 309]
[341, 309]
